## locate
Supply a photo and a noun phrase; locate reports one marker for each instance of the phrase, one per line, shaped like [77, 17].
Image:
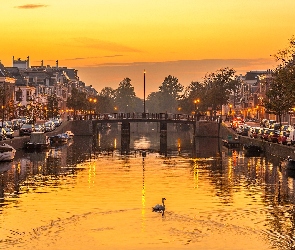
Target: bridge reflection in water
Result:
[126, 126]
[164, 138]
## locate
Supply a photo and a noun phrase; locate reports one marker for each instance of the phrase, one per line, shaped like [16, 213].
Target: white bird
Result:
[160, 207]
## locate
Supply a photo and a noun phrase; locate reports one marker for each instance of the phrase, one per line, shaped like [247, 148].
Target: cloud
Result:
[104, 45]
[92, 57]
[31, 6]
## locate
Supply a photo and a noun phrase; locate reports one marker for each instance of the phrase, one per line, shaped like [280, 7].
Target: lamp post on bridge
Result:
[144, 92]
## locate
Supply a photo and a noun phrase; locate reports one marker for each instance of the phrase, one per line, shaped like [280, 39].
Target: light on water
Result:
[82, 197]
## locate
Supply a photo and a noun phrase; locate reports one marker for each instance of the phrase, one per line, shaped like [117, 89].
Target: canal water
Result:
[86, 195]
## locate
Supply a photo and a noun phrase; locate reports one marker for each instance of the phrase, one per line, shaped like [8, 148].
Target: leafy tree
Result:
[195, 91]
[106, 100]
[52, 105]
[125, 96]
[153, 102]
[170, 94]
[219, 86]
[77, 100]
[281, 92]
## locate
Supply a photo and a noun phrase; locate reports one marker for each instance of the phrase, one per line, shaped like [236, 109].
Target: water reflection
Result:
[221, 194]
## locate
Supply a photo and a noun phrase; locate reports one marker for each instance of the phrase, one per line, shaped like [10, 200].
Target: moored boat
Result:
[59, 138]
[70, 134]
[7, 152]
[38, 141]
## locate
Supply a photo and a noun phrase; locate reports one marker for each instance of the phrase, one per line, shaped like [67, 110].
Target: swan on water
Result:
[160, 207]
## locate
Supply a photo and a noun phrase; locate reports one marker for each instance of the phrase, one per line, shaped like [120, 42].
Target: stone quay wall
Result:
[269, 148]
[223, 132]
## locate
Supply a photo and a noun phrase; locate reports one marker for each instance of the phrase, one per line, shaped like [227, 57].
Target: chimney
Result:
[57, 63]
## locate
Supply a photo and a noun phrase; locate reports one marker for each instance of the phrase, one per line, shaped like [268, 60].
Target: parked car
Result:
[284, 138]
[8, 124]
[276, 126]
[266, 134]
[254, 132]
[9, 132]
[49, 126]
[273, 136]
[16, 124]
[270, 123]
[39, 128]
[26, 129]
[286, 128]
[24, 120]
[4, 124]
[57, 122]
[243, 130]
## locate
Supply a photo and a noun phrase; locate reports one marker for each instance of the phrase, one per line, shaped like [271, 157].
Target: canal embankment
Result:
[18, 142]
[274, 149]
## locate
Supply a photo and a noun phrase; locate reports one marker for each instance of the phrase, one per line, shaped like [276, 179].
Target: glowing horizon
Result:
[94, 33]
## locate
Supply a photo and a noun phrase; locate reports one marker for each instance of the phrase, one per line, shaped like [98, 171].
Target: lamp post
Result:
[144, 92]
[92, 100]
[196, 106]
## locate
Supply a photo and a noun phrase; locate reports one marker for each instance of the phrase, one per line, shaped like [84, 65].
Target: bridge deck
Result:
[115, 120]
[139, 117]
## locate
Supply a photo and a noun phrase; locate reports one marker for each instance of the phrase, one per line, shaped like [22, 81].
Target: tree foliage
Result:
[281, 90]
[77, 100]
[52, 105]
[153, 102]
[125, 96]
[195, 91]
[219, 86]
[170, 93]
[106, 100]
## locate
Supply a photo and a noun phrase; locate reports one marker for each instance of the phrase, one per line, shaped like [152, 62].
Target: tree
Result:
[219, 86]
[281, 92]
[153, 102]
[170, 93]
[125, 96]
[52, 104]
[281, 89]
[106, 100]
[195, 91]
[77, 100]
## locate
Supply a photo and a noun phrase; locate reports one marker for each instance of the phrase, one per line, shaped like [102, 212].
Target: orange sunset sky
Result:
[108, 40]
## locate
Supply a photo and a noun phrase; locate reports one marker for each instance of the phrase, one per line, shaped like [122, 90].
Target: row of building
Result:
[24, 87]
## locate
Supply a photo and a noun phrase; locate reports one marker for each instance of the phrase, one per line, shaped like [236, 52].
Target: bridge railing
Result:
[141, 116]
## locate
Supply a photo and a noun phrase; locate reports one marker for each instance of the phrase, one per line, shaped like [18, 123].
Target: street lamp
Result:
[197, 101]
[144, 92]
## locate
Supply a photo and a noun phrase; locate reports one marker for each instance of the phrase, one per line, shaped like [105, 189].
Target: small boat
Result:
[59, 138]
[70, 134]
[38, 141]
[235, 143]
[290, 163]
[7, 152]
